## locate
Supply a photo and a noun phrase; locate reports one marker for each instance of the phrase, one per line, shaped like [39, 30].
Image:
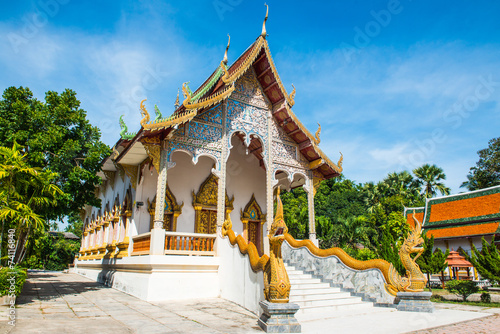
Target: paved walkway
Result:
[54, 302]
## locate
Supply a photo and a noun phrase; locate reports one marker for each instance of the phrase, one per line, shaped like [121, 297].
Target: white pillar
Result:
[157, 246]
[269, 185]
[221, 189]
[309, 187]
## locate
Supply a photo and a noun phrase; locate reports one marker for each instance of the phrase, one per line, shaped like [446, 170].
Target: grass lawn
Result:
[437, 294]
[437, 299]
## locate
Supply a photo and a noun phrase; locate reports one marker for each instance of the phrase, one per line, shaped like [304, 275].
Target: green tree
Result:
[24, 192]
[75, 224]
[486, 173]
[462, 288]
[388, 249]
[432, 262]
[351, 231]
[430, 177]
[486, 261]
[57, 136]
[295, 211]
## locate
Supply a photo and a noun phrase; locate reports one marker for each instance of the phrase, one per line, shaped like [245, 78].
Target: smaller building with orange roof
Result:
[460, 221]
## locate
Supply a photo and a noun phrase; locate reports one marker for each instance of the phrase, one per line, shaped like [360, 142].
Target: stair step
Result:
[310, 285]
[298, 273]
[329, 302]
[335, 308]
[316, 288]
[304, 280]
[319, 296]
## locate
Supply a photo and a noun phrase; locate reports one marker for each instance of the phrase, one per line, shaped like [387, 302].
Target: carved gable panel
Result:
[248, 90]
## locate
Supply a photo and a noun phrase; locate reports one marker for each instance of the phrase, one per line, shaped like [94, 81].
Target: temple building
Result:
[459, 221]
[168, 188]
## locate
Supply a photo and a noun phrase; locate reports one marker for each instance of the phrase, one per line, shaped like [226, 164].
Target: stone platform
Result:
[279, 317]
[415, 302]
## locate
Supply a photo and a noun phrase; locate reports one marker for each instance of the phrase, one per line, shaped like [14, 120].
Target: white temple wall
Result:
[244, 177]
[238, 282]
[185, 178]
[145, 190]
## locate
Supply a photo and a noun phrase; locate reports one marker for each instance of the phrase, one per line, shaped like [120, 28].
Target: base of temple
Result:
[279, 317]
[415, 302]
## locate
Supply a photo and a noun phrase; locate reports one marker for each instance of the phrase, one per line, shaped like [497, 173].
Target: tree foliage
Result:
[366, 220]
[432, 262]
[57, 136]
[462, 288]
[486, 173]
[486, 261]
[430, 178]
[25, 192]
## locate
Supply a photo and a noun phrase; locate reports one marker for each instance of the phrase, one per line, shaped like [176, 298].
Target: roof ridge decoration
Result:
[177, 103]
[227, 48]
[291, 97]
[124, 134]
[144, 113]
[158, 114]
[264, 32]
[317, 134]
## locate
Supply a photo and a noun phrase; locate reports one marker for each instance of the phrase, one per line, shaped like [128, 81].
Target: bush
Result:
[5, 280]
[485, 297]
[365, 254]
[462, 288]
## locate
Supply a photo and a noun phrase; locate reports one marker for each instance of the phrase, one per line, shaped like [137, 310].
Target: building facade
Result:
[168, 188]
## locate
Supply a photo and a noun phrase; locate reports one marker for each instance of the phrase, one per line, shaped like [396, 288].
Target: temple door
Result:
[208, 221]
[205, 206]
[170, 212]
[254, 234]
[253, 219]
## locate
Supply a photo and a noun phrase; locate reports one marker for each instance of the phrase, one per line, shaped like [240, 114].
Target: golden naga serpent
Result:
[257, 262]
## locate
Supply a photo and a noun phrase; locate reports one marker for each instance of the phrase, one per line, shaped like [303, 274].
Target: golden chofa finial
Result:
[227, 48]
[264, 32]
[144, 113]
[177, 103]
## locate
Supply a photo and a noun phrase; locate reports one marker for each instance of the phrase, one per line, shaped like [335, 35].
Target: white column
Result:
[309, 187]
[269, 185]
[221, 190]
[157, 246]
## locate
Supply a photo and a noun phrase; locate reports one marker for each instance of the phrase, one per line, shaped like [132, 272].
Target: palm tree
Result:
[353, 230]
[23, 191]
[429, 177]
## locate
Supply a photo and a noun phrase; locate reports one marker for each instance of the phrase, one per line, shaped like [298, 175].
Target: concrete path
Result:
[54, 302]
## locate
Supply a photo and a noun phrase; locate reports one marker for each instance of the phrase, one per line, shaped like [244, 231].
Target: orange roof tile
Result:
[465, 208]
[465, 230]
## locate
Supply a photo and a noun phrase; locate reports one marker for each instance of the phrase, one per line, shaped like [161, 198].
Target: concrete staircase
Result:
[319, 300]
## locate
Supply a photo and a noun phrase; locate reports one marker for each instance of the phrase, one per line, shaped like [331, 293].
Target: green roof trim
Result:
[215, 77]
[463, 221]
[458, 197]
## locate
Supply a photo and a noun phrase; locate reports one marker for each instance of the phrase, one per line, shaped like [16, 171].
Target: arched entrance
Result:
[253, 219]
[171, 211]
[205, 206]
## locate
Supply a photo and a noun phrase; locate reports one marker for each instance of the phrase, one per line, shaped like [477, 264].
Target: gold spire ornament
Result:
[144, 113]
[264, 32]
[291, 97]
[227, 48]
[317, 135]
[177, 103]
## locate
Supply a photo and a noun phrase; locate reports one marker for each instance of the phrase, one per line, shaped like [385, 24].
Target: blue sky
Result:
[394, 84]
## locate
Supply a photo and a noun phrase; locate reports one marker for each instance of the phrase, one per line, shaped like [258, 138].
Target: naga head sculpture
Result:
[414, 240]
[278, 228]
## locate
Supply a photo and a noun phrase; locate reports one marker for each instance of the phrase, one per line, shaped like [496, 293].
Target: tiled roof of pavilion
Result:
[473, 213]
[219, 87]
